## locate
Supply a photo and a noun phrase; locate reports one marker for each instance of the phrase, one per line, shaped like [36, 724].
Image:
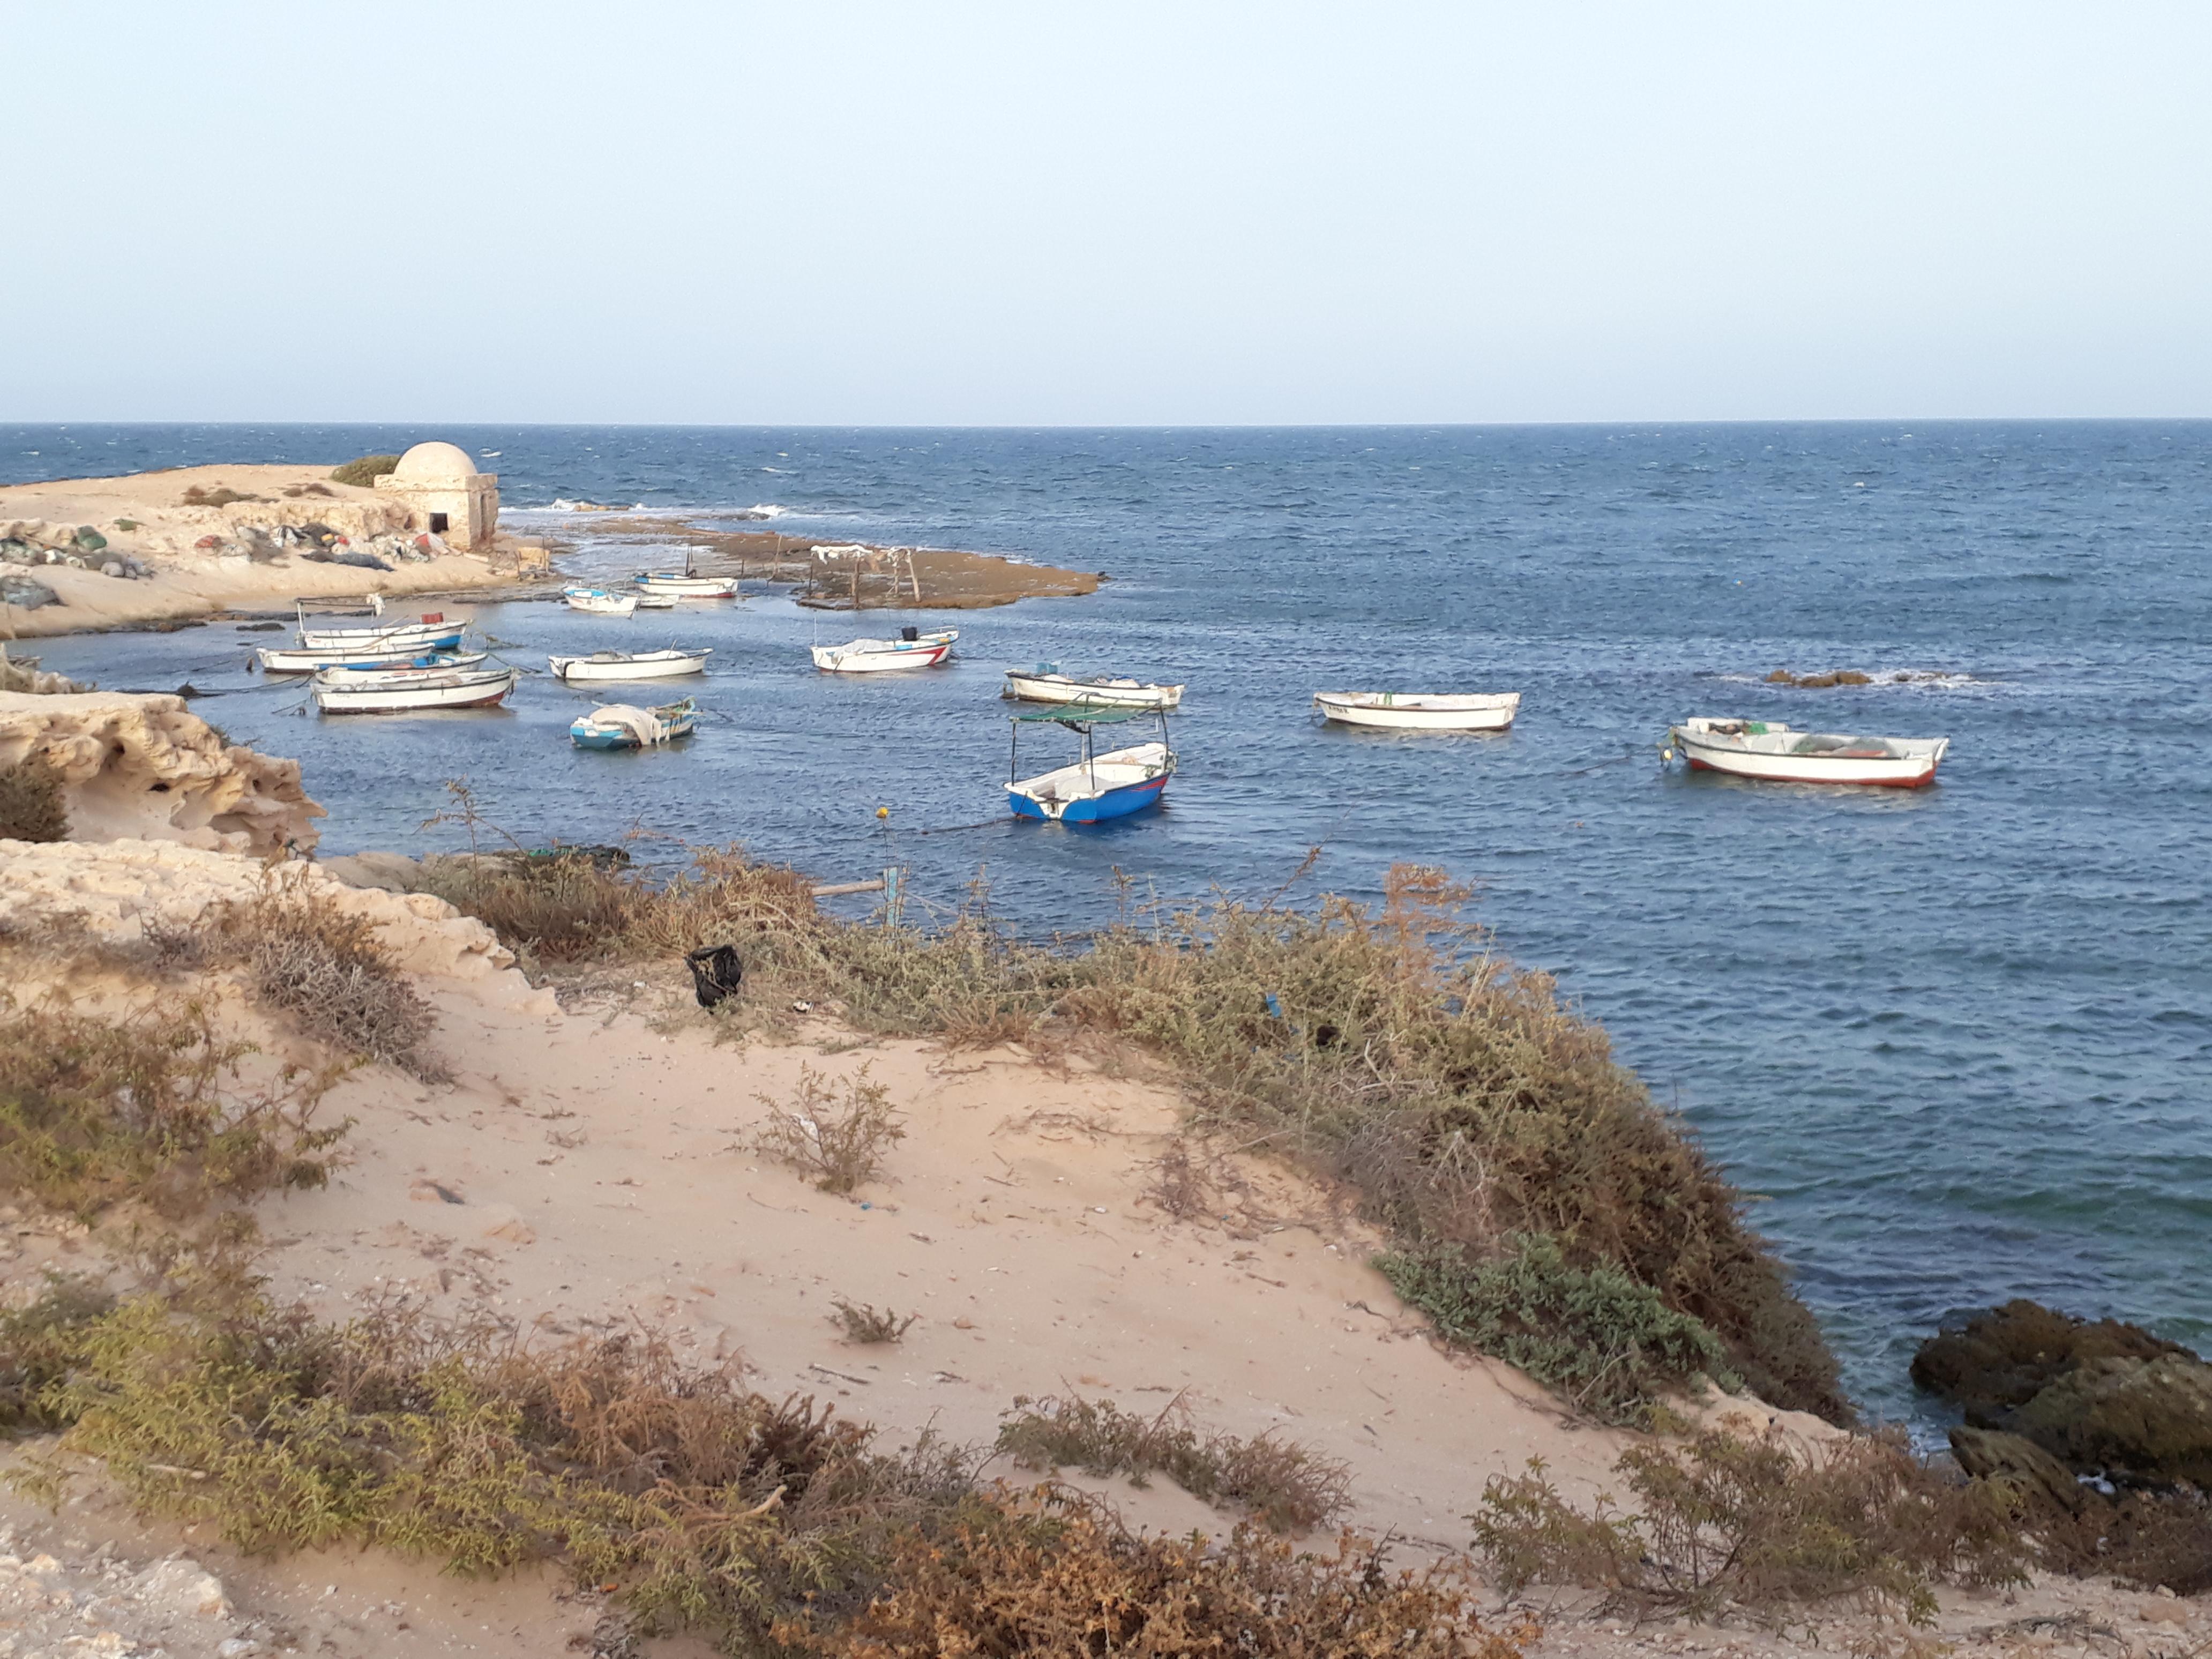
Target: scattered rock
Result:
[1990, 1455]
[26, 592]
[89, 539]
[180, 1585]
[1820, 682]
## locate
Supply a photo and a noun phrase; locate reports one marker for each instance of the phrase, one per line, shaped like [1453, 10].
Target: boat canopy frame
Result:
[1078, 717]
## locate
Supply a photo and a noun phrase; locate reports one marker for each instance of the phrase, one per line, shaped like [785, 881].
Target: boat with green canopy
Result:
[1095, 786]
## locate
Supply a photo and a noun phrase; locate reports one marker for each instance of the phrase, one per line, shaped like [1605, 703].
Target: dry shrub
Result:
[1051, 1575]
[221, 495]
[1606, 1342]
[308, 957]
[2147, 1539]
[37, 1344]
[835, 1134]
[564, 906]
[96, 1111]
[1759, 1523]
[712, 1507]
[862, 1323]
[32, 806]
[1286, 1485]
[1386, 1046]
[365, 470]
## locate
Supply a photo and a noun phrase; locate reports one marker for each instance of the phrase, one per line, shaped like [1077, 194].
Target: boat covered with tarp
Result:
[624, 725]
[1771, 751]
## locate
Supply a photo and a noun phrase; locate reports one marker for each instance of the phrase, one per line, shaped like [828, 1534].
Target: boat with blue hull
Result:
[1096, 787]
[622, 725]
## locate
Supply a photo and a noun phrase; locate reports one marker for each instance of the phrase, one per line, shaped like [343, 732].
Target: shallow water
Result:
[1957, 1038]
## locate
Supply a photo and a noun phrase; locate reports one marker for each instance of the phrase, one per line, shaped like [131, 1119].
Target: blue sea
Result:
[1958, 1041]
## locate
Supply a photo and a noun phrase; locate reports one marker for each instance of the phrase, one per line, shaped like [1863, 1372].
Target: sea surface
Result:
[1958, 1040]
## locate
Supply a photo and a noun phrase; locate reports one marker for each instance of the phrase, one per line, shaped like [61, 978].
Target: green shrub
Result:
[1286, 1487]
[1607, 1342]
[32, 805]
[1759, 1523]
[96, 1111]
[836, 1138]
[37, 1346]
[365, 470]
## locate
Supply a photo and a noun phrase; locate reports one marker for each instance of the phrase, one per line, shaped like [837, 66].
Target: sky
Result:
[1035, 214]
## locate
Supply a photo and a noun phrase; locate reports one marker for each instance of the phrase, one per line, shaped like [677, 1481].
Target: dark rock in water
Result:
[188, 691]
[260, 628]
[2102, 1397]
[2140, 1419]
[1991, 1454]
[2002, 1358]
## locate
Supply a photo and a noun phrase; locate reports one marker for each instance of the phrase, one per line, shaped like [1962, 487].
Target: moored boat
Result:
[622, 725]
[630, 665]
[598, 601]
[1046, 684]
[309, 662]
[390, 673]
[912, 649]
[655, 602]
[407, 693]
[1420, 711]
[1770, 750]
[1095, 786]
[432, 633]
[683, 585]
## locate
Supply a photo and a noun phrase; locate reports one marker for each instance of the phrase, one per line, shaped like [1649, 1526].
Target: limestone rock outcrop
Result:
[119, 888]
[145, 767]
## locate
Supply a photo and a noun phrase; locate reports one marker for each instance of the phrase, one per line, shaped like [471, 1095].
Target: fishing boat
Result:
[309, 662]
[912, 649]
[683, 585]
[1420, 711]
[1046, 684]
[394, 694]
[599, 601]
[655, 602]
[432, 633]
[621, 726]
[390, 673]
[628, 664]
[1771, 751]
[1095, 786]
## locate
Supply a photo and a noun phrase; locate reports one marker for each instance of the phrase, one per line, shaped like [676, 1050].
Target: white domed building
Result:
[447, 494]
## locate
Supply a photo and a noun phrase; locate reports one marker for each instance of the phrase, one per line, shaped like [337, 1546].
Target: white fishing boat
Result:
[683, 585]
[599, 601]
[1771, 751]
[406, 692]
[274, 661]
[393, 673]
[655, 602]
[1046, 684]
[912, 649]
[624, 725]
[1420, 711]
[433, 632]
[629, 665]
[1096, 787]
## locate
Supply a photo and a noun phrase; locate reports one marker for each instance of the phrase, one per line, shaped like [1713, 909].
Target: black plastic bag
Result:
[716, 972]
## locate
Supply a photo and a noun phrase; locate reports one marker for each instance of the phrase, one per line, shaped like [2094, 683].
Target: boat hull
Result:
[602, 604]
[468, 692]
[1133, 779]
[592, 738]
[690, 587]
[310, 662]
[836, 660]
[1382, 711]
[1111, 804]
[400, 640]
[1911, 768]
[576, 671]
[1105, 693]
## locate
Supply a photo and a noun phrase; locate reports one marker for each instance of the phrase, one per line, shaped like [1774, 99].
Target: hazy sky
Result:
[1030, 213]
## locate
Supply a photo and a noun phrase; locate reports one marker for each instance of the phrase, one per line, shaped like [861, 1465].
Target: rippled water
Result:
[1957, 1038]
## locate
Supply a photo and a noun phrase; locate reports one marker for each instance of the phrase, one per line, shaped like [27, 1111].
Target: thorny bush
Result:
[835, 1134]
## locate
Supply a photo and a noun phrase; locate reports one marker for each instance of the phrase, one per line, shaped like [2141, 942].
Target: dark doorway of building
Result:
[437, 523]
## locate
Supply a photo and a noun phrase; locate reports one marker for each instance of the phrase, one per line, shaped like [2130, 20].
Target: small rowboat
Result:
[683, 585]
[390, 673]
[309, 662]
[910, 650]
[1419, 711]
[628, 664]
[1096, 787]
[599, 602]
[1048, 684]
[432, 633]
[621, 726]
[404, 693]
[655, 602]
[1769, 749]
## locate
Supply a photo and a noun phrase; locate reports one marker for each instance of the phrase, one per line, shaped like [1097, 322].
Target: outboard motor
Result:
[909, 633]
